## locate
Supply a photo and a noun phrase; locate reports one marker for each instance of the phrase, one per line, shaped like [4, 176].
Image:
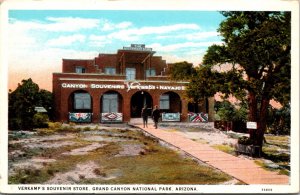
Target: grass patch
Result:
[26, 176]
[277, 138]
[200, 140]
[162, 167]
[284, 172]
[279, 141]
[171, 130]
[280, 170]
[225, 148]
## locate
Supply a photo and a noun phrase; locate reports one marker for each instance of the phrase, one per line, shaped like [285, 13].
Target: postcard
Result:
[125, 96]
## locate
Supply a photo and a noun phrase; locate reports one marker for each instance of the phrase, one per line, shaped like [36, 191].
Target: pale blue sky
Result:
[43, 37]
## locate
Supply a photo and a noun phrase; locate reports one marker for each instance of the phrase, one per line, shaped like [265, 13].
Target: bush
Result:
[14, 124]
[279, 120]
[87, 129]
[40, 120]
[72, 124]
[245, 140]
[226, 111]
[53, 126]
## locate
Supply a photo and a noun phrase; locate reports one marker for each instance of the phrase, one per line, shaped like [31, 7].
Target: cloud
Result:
[131, 34]
[69, 24]
[177, 46]
[108, 26]
[64, 24]
[66, 40]
[191, 36]
[98, 40]
[123, 25]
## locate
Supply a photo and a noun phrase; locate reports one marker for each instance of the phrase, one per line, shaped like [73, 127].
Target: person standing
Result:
[145, 116]
[156, 116]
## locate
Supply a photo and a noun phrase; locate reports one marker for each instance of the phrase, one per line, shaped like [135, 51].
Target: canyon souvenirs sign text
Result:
[127, 85]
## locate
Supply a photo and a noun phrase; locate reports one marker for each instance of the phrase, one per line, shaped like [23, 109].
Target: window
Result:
[150, 72]
[82, 101]
[79, 69]
[109, 103]
[110, 70]
[164, 101]
[130, 73]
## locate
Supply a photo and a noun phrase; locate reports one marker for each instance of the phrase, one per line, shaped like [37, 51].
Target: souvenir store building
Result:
[115, 87]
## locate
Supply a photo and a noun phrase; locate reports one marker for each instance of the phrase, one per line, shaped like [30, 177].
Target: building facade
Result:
[115, 88]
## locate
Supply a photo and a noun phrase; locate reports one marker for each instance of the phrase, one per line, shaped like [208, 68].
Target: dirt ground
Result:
[41, 156]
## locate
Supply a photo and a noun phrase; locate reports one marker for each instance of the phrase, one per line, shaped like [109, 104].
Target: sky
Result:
[40, 39]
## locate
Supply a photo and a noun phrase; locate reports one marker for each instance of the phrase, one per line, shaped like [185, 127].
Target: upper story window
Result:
[150, 72]
[79, 69]
[130, 73]
[110, 70]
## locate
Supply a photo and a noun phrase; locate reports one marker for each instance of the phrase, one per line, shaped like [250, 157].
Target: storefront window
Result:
[82, 101]
[164, 101]
[130, 73]
[110, 103]
[150, 72]
[110, 70]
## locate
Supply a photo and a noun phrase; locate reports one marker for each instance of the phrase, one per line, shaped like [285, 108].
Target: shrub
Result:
[226, 111]
[72, 124]
[87, 129]
[279, 120]
[99, 172]
[14, 123]
[45, 131]
[245, 140]
[55, 125]
[40, 120]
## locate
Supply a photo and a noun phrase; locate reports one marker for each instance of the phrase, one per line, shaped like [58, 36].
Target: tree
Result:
[203, 84]
[279, 120]
[181, 71]
[22, 103]
[228, 112]
[259, 43]
[45, 99]
[202, 81]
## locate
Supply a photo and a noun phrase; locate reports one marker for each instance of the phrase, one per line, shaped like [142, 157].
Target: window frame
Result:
[129, 76]
[164, 101]
[80, 69]
[110, 103]
[110, 70]
[86, 102]
[150, 72]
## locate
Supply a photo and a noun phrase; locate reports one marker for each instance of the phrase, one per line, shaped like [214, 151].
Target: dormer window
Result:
[79, 69]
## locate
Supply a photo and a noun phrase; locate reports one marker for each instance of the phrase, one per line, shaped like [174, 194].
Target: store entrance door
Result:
[138, 100]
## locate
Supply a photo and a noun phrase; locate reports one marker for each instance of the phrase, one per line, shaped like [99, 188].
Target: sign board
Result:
[80, 117]
[198, 117]
[137, 47]
[111, 117]
[127, 85]
[170, 117]
[251, 125]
